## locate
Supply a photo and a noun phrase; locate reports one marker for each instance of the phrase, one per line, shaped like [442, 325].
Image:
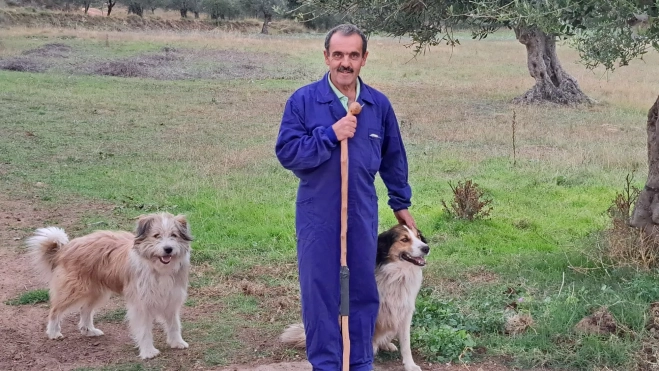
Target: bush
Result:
[467, 202]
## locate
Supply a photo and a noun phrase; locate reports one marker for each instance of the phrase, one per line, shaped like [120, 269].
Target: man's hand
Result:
[404, 217]
[345, 128]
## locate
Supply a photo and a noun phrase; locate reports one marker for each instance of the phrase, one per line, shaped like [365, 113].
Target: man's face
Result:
[345, 58]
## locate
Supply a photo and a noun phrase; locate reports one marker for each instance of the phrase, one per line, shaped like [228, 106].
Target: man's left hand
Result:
[404, 217]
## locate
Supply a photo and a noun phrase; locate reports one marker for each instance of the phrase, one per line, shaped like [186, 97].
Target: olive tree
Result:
[605, 32]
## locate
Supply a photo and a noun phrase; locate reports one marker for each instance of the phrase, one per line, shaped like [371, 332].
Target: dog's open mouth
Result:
[420, 261]
[165, 259]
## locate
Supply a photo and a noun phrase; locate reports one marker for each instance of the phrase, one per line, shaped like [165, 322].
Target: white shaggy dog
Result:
[149, 268]
[400, 257]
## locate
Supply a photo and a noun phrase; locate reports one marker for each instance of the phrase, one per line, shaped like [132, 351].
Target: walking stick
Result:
[344, 312]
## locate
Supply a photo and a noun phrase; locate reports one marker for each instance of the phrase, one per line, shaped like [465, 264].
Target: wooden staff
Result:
[353, 110]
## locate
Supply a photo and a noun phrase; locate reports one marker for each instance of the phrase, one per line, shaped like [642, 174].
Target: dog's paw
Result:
[91, 332]
[178, 344]
[390, 347]
[149, 353]
[55, 335]
[412, 367]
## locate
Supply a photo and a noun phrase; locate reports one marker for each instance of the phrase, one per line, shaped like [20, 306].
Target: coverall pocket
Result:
[375, 138]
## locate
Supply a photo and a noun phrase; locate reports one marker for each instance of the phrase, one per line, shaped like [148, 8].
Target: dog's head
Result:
[162, 238]
[402, 243]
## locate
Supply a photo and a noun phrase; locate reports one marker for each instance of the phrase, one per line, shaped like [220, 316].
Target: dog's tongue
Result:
[165, 259]
[420, 261]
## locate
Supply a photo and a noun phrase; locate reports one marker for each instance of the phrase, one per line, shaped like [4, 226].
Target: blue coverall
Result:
[307, 145]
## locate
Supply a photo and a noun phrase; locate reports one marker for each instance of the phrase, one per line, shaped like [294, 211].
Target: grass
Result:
[204, 147]
[29, 298]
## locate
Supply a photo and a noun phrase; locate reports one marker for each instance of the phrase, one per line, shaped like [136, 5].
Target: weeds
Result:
[468, 202]
[30, 297]
[440, 331]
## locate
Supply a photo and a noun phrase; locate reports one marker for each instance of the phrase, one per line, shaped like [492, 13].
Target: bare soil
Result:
[167, 64]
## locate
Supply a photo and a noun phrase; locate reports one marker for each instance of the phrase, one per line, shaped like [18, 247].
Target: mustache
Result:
[345, 69]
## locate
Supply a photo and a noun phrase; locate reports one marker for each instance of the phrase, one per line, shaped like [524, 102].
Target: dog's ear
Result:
[385, 240]
[144, 223]
[421, 236]
[183, 227]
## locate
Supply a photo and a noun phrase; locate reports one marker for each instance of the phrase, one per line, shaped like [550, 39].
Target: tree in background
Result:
[301, 12]
[222, 9]
[111, 4]
[266, 8]
[603, 31]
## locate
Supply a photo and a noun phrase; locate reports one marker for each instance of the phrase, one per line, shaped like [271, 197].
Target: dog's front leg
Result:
[141, 328]
[173, 329]
[405, 348]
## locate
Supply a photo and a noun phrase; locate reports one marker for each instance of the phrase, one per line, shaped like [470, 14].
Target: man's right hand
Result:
[345, 128]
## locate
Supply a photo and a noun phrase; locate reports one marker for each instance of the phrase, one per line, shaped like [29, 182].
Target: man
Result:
[308, 144]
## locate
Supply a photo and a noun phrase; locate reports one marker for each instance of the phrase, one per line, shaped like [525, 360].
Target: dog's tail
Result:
[294, 335]
[43, 246]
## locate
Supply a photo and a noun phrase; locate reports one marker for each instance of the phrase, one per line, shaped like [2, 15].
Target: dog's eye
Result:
[405, 239]
[157, 235]
[174, 235]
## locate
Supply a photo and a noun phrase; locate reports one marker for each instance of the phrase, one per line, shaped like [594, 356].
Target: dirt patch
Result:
[121, 69]
[51, 50]
[22, 64]
[387, 366]
[181, 64]
[647, 359]
[601, 322]
[167, 64]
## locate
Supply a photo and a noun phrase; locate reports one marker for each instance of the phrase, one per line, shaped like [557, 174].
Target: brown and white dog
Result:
[400, 258]
[149, 268]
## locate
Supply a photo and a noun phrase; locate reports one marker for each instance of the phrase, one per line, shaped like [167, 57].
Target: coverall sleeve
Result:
[297, 148]
[393, 167]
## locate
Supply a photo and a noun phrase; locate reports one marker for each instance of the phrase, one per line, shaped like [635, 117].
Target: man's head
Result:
[345, 53]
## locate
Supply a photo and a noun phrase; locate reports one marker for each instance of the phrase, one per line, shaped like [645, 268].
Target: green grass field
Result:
[204, 146]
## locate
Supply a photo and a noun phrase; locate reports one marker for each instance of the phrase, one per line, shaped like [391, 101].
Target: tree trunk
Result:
[87, 7]
[184, 13]
[267, 18]
[552, 83]
[196, 15]
[136, 9]
[646, 210]
[110, 5]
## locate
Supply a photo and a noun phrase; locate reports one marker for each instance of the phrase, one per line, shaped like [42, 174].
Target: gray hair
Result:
[346, 30]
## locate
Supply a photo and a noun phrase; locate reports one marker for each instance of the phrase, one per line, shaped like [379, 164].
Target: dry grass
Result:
[455, 99]
[626, 245]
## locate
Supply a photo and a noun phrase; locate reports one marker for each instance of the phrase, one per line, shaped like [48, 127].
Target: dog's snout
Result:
[168, 250]
[425, 249]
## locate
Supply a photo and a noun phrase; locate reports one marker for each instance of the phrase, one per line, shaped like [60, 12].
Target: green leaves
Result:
[606, 33]
[440, 332]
